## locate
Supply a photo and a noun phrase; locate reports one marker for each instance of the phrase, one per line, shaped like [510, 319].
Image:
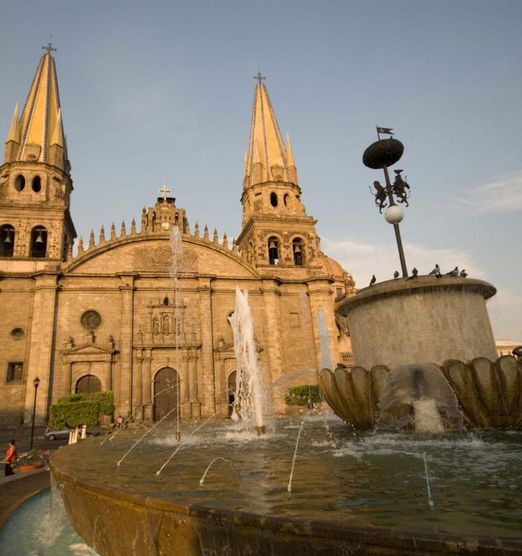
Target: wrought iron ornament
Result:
[381, 155]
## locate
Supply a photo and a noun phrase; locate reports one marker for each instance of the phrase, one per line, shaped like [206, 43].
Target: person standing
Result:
[10, 458]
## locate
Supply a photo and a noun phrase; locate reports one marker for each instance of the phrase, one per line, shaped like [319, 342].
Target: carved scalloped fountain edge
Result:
[116, 522]
[489, 393]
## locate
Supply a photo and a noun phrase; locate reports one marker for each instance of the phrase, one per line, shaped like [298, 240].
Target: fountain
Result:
[249, 402]
[432, 331]
[423, 349]
[418, 399]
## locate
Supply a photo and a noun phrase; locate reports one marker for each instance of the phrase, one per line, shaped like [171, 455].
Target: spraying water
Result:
[431, 503]
[219, 458]
[289, 487]
[248, 404]
[326, 362]
[176, 247]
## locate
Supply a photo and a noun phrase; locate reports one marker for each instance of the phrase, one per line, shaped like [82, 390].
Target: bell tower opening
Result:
[7, 238]
[38, 242]
[273, 251]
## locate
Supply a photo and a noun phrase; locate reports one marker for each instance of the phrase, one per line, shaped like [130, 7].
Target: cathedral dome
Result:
[332, 267]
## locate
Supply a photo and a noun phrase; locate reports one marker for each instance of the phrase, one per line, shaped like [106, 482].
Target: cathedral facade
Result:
[108, 317]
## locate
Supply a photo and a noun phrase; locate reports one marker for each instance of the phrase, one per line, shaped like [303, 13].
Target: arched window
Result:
[273, 199]
[19, 182]
[88, 384]
[7, 239]
[298, 251]
[38, 242]
[273, 250]
[286, 199]
[36, 184]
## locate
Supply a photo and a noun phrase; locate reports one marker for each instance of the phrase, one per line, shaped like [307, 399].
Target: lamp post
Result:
[36, 382]
[380, 156]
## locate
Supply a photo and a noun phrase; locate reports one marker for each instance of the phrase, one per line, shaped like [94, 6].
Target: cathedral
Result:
[107, 316]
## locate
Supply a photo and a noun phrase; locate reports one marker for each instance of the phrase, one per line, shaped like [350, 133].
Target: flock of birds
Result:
[435, 272]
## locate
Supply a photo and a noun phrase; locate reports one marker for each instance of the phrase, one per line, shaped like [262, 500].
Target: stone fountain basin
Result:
[122, 514]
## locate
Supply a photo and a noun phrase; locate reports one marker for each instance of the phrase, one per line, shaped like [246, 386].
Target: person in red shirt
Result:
[10, 458]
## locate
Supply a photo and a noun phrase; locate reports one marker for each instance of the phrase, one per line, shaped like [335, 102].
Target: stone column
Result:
[108, 373]
[206, 386]
[220, 377]
[67, 373]
[146, 385]
[186, 383]
[194, 397]
[137, 392]
[272, 328]
[41, 346]
[124, 404]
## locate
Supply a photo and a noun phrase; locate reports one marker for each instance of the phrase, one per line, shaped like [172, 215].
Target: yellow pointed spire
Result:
[292, 170]
[266, 144]
[14, 128]
[58, 131]
[41, 122]
[289, 153]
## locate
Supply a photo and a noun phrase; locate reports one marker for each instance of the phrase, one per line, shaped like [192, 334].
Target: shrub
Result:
[81, 409]
[74, 414]
[304, 395]
[106, 401]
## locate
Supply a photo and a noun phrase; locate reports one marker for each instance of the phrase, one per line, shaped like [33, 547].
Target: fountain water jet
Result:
[158, 472]
[249, 396]
[176, 247]
[289, 487]
[419, 398]
[144, 435]
[431, 503]
[219, 458]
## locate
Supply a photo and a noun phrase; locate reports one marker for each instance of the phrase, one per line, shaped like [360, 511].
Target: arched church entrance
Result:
[166, 387]
[231, 391]
[88, 384]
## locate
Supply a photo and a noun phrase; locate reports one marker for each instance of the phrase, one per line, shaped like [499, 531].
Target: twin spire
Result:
[37, 135]
[268, 158]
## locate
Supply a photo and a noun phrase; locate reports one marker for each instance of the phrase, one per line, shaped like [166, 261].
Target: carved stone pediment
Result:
[89, 352]
[160, 258]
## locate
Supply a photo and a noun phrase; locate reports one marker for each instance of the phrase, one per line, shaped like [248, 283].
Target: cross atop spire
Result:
[49, 48]
[164, 191]
[259, 78]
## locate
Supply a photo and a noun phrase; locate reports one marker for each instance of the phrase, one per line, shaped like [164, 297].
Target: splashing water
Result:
[249, 401]
[426, 416]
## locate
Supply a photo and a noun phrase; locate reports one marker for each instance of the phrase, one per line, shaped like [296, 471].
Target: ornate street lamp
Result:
[383, 154]
[36, 382]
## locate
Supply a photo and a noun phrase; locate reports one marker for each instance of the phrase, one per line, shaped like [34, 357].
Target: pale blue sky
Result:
[154, 88]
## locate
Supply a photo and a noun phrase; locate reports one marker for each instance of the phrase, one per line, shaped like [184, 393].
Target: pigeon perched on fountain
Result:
[414, 274]
[463, 273]
[435, 271]
[453, 273]
[373, 280]
[396, 275]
